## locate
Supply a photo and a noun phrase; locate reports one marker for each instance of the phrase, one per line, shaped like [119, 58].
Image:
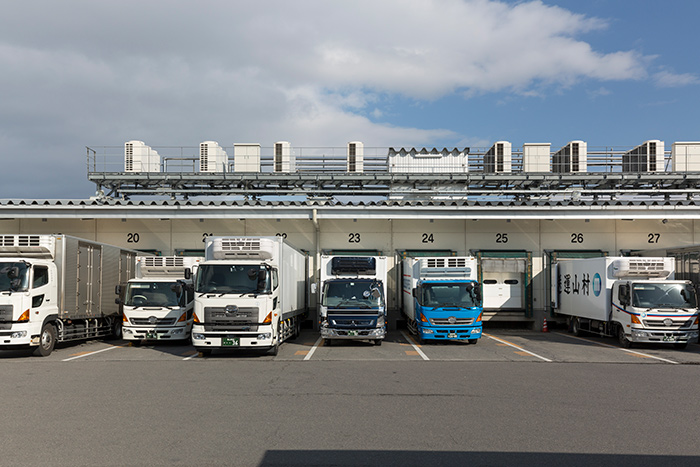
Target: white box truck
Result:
[57, 288]
[353, 298]
[632, 298]
[158, 303]
[250, 292]
[442, 298]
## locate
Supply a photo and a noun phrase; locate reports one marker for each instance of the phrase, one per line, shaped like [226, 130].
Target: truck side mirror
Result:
[118, 289]
[188, 273]
[177, 288]
[314, 287]
[414, 292]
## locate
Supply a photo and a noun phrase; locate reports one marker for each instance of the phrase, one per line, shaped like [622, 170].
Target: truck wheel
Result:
[377, 342]
[473, 341]
[47, 341]
[624, 342]
[274, 350]
[576, 327]
[680, 345]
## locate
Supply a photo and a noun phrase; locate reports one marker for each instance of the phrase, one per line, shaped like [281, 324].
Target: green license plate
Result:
[670, 338]
[151, 335]
[352, 333]
[231, 341]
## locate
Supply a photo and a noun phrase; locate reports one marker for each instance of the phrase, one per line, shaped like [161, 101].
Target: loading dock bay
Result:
[497, 345]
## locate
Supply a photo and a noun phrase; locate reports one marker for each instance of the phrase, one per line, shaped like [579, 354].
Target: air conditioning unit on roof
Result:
[356, 153]
[212, 157]
[246, 157]
[647, 157]
[282, 157]
[571, 158]
[498, 158]
[685, 156]
[140, 158]
[536, 157]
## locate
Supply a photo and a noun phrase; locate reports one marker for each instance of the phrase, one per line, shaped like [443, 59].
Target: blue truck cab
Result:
[442, 299]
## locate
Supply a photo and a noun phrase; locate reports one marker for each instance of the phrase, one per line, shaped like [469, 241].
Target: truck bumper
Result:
[350, 334]
[137, 333]
[650, 336]
[449, 333]
[19, 334]
[233, 339]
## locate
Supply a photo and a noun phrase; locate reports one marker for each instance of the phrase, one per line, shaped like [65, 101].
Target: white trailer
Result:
[633, 298]
[250, 292]
[353, 298]
[57, 288]
[159, 302]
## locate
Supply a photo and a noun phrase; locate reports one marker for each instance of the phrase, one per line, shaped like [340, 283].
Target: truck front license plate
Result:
[352, 333]
[231, 342]
[151, 335]
[670, 338]
[452, 335]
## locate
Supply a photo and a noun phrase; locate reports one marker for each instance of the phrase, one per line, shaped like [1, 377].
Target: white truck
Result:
[250, 292]
[158, 303]
[353, 298]
[442, 298]
[57, 288]
[632, 298]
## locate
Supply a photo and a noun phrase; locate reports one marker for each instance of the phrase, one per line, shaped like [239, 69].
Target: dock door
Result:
[506, 278]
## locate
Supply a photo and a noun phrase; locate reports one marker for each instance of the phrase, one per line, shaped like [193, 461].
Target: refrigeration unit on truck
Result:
[632, 298]
[158, 303]
[353, 298]
[442, 298]
[250, 292]
[57, 288]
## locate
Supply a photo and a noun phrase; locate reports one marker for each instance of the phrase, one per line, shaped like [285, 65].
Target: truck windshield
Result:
[148, 293]
[353, 294]
[663, 295]
[241, 279]
[14, 277]
[448, 295]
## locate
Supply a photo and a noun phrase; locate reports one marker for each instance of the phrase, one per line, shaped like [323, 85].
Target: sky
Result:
[399, 73]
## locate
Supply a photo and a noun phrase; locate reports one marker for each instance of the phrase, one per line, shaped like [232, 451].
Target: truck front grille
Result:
[659, 322]
[352, 323]
[6, 312]
[149, 322]
[242, 319]
[455, 322]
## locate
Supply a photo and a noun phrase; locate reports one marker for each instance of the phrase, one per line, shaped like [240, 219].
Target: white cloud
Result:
[667, 79]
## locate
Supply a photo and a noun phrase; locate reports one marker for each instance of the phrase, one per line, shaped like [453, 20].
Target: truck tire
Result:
[576, 327]
[473, 341]
[624, 342]
[47, 341]
[377, 342]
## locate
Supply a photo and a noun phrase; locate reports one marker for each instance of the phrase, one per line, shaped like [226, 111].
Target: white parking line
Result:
[91, 353]
[313, 349]
[410, 341]
[191, 356]
[516, 347]
[641, 354]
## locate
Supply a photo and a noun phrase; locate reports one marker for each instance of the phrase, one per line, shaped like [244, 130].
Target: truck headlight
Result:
[18, 334]
[197, 336]
[264, 336]
[380, 320]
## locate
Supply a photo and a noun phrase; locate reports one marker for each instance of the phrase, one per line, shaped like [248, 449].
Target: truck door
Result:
[43, 293]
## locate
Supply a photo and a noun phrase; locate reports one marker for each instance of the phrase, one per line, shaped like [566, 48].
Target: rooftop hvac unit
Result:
[428, 160]
[571, 158]
[647, 157]
[246, 157]
[643, 267]
[283, 161]
[356, 157]
[536, 157]
[140, 158]
[498, 159]
[241, 248]
[685, 157]
[212, 157]
[353, 265]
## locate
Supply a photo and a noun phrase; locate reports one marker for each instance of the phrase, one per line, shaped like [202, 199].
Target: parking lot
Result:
[497, 345]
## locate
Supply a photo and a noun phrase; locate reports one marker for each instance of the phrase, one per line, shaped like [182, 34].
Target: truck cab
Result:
[442, 298]
[353, 298]
[655, 311]
[158, 303]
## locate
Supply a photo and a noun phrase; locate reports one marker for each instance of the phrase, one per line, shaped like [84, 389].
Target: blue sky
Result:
[318, 73]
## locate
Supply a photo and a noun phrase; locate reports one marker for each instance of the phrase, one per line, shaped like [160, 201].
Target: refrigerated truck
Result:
[58, 288]
[353, 298]
[158, 303]
[442, 298]
[632, 298]
[250, 292]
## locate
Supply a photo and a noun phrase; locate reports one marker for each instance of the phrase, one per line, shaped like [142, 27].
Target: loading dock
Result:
[506, 276]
